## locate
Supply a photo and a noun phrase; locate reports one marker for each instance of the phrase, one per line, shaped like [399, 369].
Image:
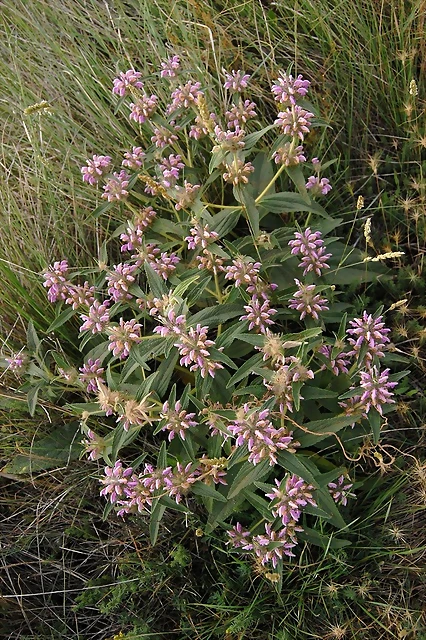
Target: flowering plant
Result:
[218, 338]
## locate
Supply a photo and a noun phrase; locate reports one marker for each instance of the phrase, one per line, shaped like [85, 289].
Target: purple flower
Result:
[133, 159]
[229, 140]
[201, 236]
[212, 470]
[125, 80]
[143, 108]
[97, 319]
[116, 186]
[307, 301]
[186, 195]
[170, 168]
[133, 236]
[376, 388]
[116, 480]
[236, 80]
[185, 96]
[95, 168]
[120, 279]
[17, 362]
[238, 172]
[94, 445]
[193, 346]
[263, 440]
[289, 498]
[370, 334]
[210, 262]
[123, 336]
[271, 546]
[202, 127]
[171, 323]
[340, 491]
[311, 247]
[240, 537]
[177, 420]
[318, 186]
[289, 155]
[163, 136]
[90, 373]
[237, 116]
[138, 498]
[80, 296]
[155, 479]
[169, 67]
[258, 314]
[135, 413]
[55, 281]
[165, 264]
[244, 272]
[339, 364]
[288, 88]
[281, 386]
[179, 483]
[295, 121]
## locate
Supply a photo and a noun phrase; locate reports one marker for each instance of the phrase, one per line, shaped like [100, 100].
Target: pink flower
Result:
[287, 88]
[56, 282]
[307, 301]
[258, 314]
[116, 187]
[125, 80]
[97, 319]
[177, 420]
[311, 247]
[116, 480]
[90, 374]
[169, 67]
[134, 159]
[318, 186]
[95, 168]
[123, 337]
[236, 80]
[143, 108]
[295, 121]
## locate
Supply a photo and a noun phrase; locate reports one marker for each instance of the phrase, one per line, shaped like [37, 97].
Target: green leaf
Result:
[252, 211]
[32, 397]
[33, 341]
[324, 428]
[295, 174]
[225, 221]
[252, 138]
[206, 491]
[259, 503]
[288, 201]
[297, 465]
[164, 374]
[239, 454]
[213, 316]
[61, 319]
[320, 540]
[54, 450]
[155, 282]
[247, 475]
[263, 174]
[375, 421]
[157, 513]
[246, 369]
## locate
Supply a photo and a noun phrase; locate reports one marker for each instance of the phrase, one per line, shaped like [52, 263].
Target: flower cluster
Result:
[255, 429]
[310, 246]
[193, 341]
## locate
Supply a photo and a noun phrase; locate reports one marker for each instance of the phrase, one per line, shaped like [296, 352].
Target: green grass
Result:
[360, 57]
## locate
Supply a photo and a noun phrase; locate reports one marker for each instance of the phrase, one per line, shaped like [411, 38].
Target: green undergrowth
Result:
[68, 573]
